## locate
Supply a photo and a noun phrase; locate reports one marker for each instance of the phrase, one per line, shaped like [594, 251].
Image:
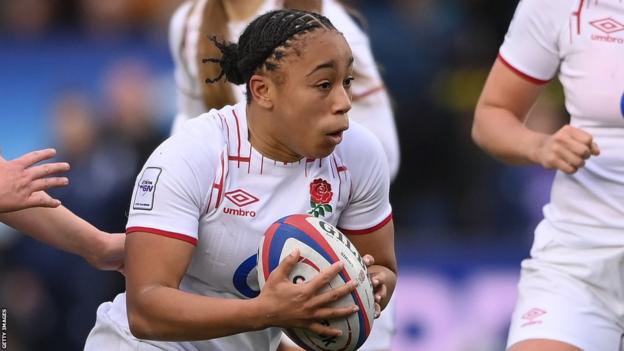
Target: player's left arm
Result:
[377, 249]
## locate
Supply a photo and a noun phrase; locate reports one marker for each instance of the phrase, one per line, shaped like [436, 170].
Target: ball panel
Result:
[320, 245]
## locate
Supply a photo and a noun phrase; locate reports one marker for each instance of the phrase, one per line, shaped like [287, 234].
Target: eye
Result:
[347, 82]
[324, 86]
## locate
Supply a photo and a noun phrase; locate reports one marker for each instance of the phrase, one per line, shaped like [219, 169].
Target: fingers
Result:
[41, 199]
[33, 157]
[323, 329]
[568, 149]
[335, 312]
[47, 183]
[325, 276]
[377, 310]
[47, 169]
[334, 294]
[286, 266]
[369, 260]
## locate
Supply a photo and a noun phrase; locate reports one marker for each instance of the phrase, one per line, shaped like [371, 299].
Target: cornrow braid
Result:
[261, 40]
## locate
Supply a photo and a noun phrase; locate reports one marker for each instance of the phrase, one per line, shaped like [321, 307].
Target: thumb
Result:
[286, 266]
[595, 150]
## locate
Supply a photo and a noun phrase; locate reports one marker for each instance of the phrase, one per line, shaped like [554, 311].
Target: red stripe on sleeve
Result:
[520, 73]
[369, 230]
[183, 237]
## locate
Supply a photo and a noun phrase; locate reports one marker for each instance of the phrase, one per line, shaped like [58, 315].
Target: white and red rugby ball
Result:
[321, 244]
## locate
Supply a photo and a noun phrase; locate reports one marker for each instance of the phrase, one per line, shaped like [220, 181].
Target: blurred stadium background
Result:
[94, 79]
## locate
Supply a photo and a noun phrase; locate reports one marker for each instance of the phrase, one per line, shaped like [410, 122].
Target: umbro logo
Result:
[608, 26]
[240, 198]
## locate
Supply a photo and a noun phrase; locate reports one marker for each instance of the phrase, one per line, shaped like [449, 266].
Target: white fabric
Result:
[371, 105]
[584, 42]
[217, 192]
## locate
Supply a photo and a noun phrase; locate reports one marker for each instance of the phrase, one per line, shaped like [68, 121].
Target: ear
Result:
[261, 89]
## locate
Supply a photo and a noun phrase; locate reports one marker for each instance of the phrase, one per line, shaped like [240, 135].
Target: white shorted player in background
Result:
[571, 290]
[208, 193]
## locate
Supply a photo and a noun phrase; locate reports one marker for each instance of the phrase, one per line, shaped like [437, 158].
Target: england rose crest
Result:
[320, 197]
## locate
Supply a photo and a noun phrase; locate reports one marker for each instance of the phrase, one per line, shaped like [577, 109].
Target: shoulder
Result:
[360, 147]
[545, 13]
[198, 142]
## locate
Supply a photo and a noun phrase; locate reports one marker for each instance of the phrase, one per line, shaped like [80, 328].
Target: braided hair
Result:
[261, 44]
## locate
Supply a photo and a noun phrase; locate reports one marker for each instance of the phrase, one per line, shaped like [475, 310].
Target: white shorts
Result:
[380, 338]
[572, 288]
[107, 335]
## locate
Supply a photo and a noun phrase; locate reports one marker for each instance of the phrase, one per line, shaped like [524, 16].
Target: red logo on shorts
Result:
[532, 316]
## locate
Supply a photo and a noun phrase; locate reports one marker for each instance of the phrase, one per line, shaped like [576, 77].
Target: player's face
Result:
[313, 95]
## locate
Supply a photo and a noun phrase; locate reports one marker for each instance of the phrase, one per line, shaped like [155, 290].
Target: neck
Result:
[241, 10]
[262, 136]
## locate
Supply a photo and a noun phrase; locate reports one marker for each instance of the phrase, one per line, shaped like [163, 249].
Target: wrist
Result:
[259, 315]
[95, 249]
[535, 143]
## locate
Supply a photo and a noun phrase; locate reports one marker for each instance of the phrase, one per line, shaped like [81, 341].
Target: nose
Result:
[342, 101]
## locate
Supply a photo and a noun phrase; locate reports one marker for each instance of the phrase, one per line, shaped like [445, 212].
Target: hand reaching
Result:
[22, 183]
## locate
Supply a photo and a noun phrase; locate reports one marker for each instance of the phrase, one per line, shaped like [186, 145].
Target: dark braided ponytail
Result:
[260, 45]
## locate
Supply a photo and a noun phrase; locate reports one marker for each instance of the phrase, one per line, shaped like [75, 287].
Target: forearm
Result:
[165, 313]
[503, 135]
[57, 227]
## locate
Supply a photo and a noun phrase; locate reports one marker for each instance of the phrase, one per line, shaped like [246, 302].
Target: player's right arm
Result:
[528, 59]
[158, 310]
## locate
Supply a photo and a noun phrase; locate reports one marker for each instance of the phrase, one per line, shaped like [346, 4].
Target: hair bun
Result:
[228, 62]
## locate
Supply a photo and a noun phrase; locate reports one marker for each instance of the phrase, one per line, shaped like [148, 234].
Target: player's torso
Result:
[591, 49]
[249, 193]
[592, 67]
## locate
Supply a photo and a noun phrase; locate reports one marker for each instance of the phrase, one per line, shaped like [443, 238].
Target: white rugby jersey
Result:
[582, 41]
[208, 186]
[371, 104]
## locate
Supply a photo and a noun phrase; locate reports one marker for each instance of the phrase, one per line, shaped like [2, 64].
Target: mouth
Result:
[335, 137]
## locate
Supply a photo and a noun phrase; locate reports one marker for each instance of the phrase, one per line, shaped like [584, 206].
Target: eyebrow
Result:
[330, 64]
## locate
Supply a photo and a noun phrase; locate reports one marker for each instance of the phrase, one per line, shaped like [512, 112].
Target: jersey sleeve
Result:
[369, 205]
[170, 193]
[531, 44]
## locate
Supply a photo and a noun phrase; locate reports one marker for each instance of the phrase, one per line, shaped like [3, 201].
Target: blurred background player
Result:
[286, 136]
[194, 21]
[571, 288]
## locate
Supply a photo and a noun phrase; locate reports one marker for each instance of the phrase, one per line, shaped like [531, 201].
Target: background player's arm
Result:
[158, 310]
[380, 245]
[60, 228]
[21, 182]
[499, 127]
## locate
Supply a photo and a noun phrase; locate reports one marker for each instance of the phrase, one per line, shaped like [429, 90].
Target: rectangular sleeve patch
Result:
[146, 187]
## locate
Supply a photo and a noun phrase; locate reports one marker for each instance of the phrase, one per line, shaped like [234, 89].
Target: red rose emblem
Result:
[320, 191]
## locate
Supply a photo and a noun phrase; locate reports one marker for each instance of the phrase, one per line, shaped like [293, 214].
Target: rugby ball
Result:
[321, 244]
